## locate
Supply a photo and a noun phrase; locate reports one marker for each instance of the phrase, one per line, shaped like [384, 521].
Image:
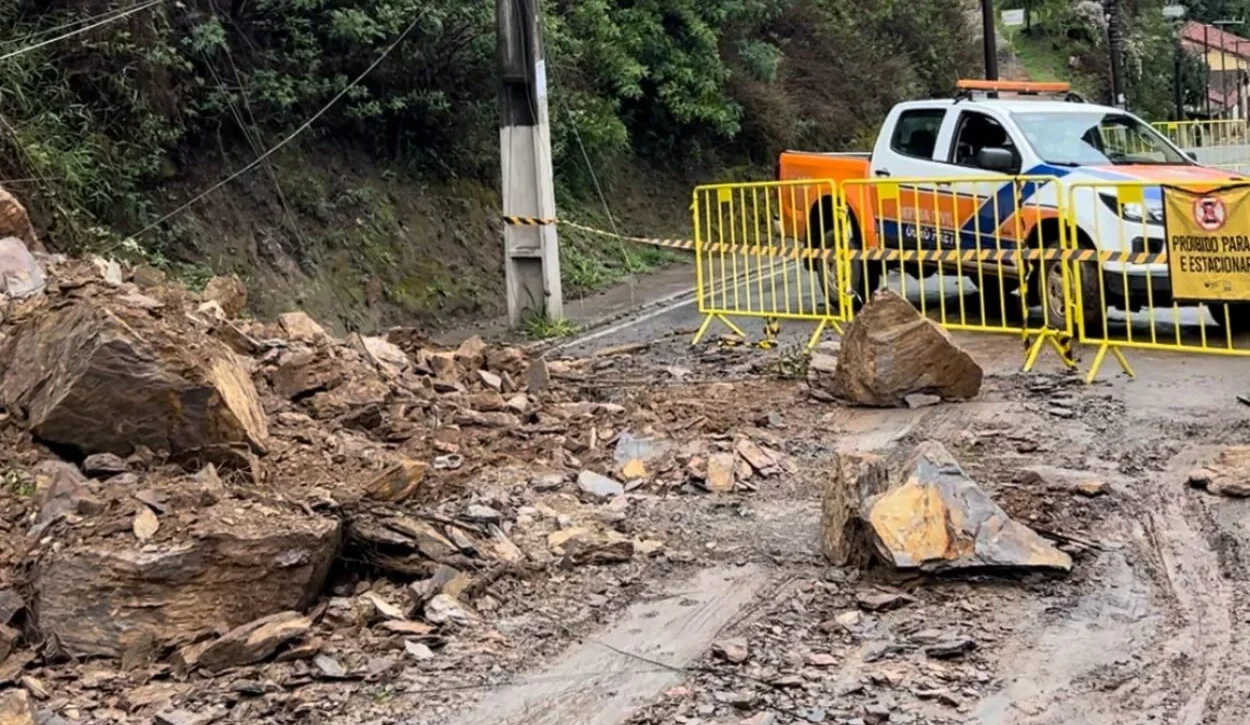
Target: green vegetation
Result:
[1067, 41]
[107, 119]
[536, 326]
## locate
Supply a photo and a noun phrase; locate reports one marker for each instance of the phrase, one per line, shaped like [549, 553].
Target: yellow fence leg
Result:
[707, 322]
[1034, 350]
[815, 338]
[1102, 354]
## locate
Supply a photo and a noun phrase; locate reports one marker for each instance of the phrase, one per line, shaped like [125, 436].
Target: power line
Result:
[58, 28]
[79, 31]
[303, 127]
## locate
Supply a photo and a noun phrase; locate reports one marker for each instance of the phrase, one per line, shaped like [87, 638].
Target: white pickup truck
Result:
[982, 137]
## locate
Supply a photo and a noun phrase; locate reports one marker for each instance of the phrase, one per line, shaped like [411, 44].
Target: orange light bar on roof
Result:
[1013, 86]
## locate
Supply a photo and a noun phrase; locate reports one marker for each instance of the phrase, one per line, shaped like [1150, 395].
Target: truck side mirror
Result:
[997, 159]
[1193, 155]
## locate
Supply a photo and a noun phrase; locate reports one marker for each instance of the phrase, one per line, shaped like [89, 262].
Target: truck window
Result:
[916, 132]
[978, 131]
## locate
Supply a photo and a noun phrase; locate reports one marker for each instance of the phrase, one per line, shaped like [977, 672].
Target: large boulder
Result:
[116, 597]
[101, 380]
[938, 519]
[891, 351]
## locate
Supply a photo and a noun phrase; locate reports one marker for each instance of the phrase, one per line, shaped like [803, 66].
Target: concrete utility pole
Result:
[989, 39]
[531, 253]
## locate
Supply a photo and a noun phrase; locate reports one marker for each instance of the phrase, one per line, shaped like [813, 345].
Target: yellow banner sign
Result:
[1208, 243]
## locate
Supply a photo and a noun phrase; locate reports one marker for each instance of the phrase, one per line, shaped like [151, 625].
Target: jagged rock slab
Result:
[253, 642]
[100, 381]
[938, 519]
[235, 565]
[891, 351]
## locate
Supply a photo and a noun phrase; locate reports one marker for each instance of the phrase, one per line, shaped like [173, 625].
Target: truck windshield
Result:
[1073, 138]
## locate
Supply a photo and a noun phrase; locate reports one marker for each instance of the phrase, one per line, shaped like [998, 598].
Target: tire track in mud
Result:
[1153, 636]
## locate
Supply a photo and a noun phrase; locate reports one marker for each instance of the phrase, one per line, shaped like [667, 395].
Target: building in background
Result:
[1227, 59]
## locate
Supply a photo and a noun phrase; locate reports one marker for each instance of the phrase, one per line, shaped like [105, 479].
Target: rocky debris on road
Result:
[274, 502]
[933, 517]
[1228, 475]
[890, 351]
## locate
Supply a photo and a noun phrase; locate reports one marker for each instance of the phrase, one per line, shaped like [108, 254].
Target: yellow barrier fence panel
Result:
[976, 252]
[1162, 266]
[1222, 144]
[767, 250]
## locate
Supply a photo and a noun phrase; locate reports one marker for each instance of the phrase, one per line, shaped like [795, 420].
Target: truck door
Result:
[985, 211]
[909, 213]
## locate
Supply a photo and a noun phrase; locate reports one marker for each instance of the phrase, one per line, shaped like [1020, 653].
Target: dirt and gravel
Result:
[379, 530]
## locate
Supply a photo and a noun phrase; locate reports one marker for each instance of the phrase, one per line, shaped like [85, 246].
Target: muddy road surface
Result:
[1149, 627]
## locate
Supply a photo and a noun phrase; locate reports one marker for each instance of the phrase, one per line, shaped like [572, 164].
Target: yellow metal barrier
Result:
[971, 252]
[1133, 289]
[1221, 143]
[766, 250]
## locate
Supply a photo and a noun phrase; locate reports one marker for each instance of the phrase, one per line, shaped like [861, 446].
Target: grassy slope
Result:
[1043, 59]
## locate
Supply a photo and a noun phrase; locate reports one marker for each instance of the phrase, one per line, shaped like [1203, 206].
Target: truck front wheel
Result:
[1050, 289]
[865, 276]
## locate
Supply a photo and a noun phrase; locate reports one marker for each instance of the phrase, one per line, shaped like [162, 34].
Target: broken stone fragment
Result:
[490, 380]
[487, 420]
[938, 519]
[537, 376]
[21, 275]
[735, 651]
[74, 366]
[302, 328]
[103, 465]
[234, 565]
[398, 481]
[720, 472]
[881, 601]
[229, 292]
[763, 463]
[1228, 475]
[891, 351]
[472, 353]
[599, 486]
[305, 372]
[630, 447]
[251, 643]
[390, 357]
[442, 609]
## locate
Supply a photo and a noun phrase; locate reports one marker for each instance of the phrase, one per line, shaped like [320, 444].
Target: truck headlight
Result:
[1133, 211]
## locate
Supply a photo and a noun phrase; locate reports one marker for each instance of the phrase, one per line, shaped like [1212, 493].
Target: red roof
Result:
[1215, 38]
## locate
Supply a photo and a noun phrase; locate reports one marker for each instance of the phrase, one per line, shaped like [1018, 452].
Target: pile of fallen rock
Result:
[187, 493]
